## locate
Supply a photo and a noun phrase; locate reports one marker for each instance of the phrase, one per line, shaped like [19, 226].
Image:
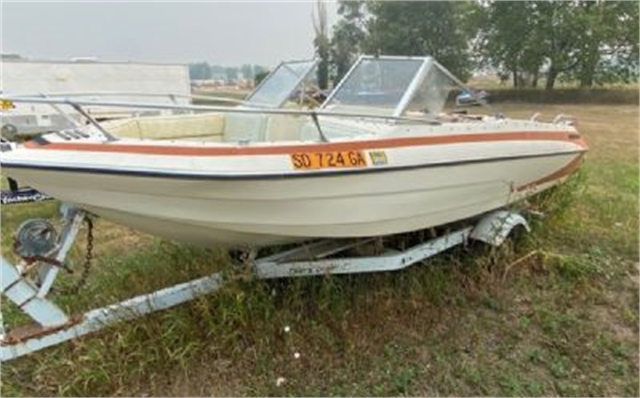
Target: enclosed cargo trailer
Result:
[129, 81]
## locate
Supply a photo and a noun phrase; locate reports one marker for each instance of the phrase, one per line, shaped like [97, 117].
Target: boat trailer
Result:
[41, 246]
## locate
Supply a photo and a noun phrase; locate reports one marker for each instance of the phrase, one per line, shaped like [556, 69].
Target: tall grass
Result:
[245, 320]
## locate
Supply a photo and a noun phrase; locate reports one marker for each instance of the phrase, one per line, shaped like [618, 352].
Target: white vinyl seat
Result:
[244, 127]
[332, 129]
[284, 128]
[207, 127]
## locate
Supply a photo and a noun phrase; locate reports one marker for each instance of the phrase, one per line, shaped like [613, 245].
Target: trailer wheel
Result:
[9, 132]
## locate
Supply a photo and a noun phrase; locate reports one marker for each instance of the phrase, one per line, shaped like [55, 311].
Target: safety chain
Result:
[85, 267]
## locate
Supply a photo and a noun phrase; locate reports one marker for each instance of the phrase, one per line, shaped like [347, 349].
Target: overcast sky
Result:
[226, 33]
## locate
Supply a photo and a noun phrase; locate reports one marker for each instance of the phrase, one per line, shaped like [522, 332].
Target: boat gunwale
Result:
[337, 172]
[293, 147]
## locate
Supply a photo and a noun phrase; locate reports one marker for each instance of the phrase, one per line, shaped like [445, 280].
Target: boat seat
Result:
[284, 127]
[332, 130]
[207, 127]
[244, 127]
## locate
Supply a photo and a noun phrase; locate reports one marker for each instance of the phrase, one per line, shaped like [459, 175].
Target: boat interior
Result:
[379, 90]
[226, 127]
[378, 94]
[286, 87]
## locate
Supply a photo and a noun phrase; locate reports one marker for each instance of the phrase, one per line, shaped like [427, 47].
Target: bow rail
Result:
[210, 108]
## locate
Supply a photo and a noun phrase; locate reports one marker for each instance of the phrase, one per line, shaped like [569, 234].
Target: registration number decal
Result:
[325, 160]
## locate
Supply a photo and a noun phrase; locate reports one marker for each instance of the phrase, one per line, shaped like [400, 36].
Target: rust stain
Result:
[26, 332]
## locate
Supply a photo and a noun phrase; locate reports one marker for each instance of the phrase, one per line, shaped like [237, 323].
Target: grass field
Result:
[556, 314]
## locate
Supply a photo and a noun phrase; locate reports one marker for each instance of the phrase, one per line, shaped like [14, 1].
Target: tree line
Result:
[588, 42]
[204, 71]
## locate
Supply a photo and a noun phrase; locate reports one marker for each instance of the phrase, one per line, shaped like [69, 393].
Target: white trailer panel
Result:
[28, 77]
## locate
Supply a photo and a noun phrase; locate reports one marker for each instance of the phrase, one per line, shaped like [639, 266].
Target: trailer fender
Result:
[494, 227]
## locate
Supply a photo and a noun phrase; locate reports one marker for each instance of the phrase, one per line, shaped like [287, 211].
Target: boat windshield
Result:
[286, 81]
[434, 93]
[393, 86]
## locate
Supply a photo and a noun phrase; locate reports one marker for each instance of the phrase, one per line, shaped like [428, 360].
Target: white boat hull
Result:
[240, 212]
[365, 163]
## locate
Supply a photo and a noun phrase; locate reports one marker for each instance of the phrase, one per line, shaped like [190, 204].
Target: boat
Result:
[387, 152]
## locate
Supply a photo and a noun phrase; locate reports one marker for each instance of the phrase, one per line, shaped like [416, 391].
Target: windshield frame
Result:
[313, 63]
[412, 87]
[416, 83]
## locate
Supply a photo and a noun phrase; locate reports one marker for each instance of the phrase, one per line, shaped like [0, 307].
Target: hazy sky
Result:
[227, 33]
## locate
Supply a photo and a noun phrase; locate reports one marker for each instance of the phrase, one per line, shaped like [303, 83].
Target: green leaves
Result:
[584, 41]
[439, 29]
[589, 42]
[421, 28]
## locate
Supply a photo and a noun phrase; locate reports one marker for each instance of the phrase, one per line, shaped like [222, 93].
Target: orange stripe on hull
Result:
[290, 149]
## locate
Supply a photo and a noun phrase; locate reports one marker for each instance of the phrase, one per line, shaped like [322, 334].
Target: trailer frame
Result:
[52, 326]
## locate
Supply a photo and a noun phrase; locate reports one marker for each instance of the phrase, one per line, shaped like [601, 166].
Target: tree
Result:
[587, 41]
[509, 40]
[609, 52]
[592, 42]
[321, 42]
[247, 71]
[231, 73]
[561, 36]
[259, 73]
[348, 37]
[259, 77]
[217, 70]
[199, 71]
[258, 69]
[421, 28]
[436, 28]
